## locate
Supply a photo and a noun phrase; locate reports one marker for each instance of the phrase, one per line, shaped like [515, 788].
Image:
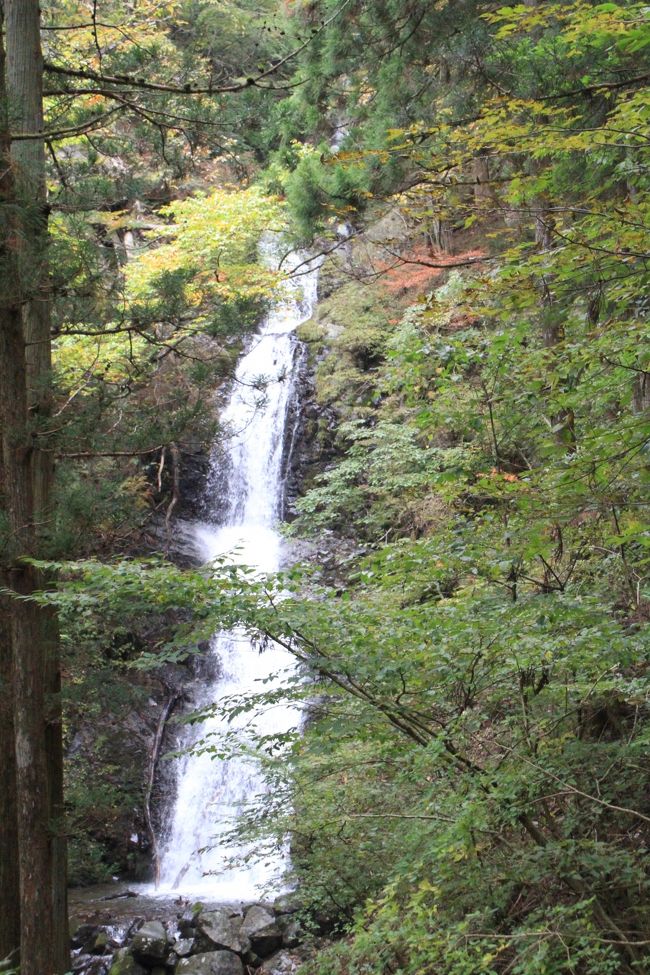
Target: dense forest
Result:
[463, 477]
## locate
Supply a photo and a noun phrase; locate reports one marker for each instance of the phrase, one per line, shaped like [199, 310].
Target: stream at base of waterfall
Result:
[247, 472]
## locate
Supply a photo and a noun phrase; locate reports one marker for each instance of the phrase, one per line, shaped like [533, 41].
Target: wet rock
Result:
[75, 927]
[83, 935]
[261, 931]
[233, 910]
[100, 942]
[80, 961]
[251, 960]
[119, 933]
[187, 923]
[184, 947]
[90, 965]
[98, 966]
[282, 963]
[211, 963]
[286, 904]
[219, 929]
[125, 964]
[150, 943]
[292, 932]
[194, 470]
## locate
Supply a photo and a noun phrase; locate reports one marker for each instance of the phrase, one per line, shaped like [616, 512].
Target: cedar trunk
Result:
[10, 344]
[9, 890]
[28, 479]
[25, 664]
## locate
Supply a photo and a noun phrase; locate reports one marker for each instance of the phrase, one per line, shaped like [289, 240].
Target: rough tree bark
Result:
[10, 320]
[10, 400]
[34, 902]
[10, 913]
[25, 364]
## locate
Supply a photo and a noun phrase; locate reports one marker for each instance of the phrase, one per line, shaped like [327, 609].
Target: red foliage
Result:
[411, 270]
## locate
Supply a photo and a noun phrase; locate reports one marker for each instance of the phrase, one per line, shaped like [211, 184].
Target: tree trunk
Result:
[483, 192]
[37, 707]
[25, 90]
[439, 237]
[10, 324]
[32, 808]
[641, 392]
[9, 889]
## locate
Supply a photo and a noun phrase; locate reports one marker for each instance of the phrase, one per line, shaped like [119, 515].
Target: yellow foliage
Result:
[214, 239]
[80, 360]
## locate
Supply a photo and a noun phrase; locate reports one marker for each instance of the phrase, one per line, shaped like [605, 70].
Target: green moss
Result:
[358, 307]
[311, 332]
[332, 275]
[355, 321]
[124, 964]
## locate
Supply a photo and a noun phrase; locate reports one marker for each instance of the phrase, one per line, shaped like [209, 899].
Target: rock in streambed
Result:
[219, 940]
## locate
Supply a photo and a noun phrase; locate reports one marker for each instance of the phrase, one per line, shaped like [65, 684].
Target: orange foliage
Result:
[411, 276]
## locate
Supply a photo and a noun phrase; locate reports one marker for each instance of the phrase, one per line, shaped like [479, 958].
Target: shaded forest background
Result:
[470, 794]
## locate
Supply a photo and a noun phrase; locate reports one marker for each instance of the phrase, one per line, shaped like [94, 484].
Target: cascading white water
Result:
[212, 793]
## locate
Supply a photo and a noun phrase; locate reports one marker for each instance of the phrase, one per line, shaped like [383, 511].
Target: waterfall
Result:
[247, 476]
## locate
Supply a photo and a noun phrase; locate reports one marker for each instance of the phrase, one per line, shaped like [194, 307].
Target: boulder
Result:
[219, 929]
[211, 963]
[251, 960]
[292, 932]
[261, 931]
[83, 935]
[150, 943]
[98, 966]
[183, 947]
[187, 923]
[118, 933]
[76, 929]
[125, 964]
[80, 962]
[286, 904]
[90, 965]
[99, 943]
[282, 963]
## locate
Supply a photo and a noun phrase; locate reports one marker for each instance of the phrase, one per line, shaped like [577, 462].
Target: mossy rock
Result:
[331, 276]
[356, 309]
[311, 332]
[125, 964]
[356, 323]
